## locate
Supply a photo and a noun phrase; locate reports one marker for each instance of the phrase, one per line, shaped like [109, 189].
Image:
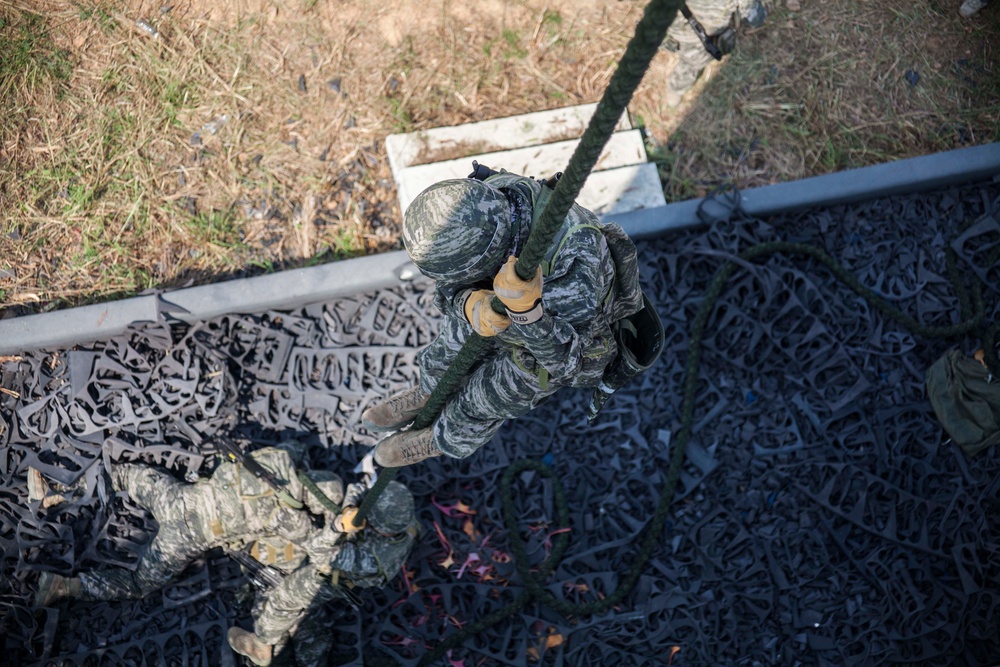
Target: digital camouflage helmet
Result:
[459, 231]
[393, 511]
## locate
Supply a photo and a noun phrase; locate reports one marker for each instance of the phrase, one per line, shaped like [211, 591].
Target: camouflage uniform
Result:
[235, 510]
[585, 291]
[714, 16]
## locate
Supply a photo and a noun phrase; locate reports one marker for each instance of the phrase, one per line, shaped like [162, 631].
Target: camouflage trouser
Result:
[504, 385]
[277, 610]
[312, 642]
[714, 16]
[178, 540]
[297, 607]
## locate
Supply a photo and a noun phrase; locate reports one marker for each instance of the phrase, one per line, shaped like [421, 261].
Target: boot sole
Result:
[376, 428]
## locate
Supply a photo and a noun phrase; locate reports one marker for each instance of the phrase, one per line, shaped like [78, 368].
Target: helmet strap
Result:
[520, 216]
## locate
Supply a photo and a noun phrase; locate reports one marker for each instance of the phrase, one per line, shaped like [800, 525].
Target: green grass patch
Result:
[512, 48]
[551, 18]
[175, 96]
[217, 228]
[99, 14]
[402, 118]
[28, 58]
[344, 244]
[509, 44]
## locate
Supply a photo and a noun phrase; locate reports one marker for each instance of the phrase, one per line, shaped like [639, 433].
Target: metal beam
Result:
[928, 172]
[289, 289]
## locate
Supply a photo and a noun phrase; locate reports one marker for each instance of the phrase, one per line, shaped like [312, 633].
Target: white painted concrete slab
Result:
[623, 149]
[535, 144]
[623, 189]
[499, 134]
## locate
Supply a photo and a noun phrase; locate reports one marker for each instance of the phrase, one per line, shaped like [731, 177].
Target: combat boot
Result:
[970, 8]
[406, 448]
[55, 587]
[250, 646]
[395, 412]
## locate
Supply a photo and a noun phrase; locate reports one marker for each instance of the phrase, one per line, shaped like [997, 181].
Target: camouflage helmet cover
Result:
[393, 511]
[459, 231]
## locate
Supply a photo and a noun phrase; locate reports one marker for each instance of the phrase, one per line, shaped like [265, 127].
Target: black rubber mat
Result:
[823, 518]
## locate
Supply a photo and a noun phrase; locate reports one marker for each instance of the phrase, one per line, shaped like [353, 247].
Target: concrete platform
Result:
[536, 144]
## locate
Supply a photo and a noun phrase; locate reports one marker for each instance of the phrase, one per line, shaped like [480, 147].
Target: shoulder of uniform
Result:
[266, 453]
[577, 242]
[506, 180]
[294, 449]
[581, 234]
[278, 459]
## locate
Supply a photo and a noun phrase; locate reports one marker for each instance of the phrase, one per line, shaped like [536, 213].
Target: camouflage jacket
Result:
[247, 512]
[586, 289]
[714, 15]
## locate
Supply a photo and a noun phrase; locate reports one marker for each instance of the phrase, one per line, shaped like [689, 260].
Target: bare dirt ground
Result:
[151, 144]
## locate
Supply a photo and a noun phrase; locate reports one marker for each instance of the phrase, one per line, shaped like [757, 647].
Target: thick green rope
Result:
[445, 388]
[317, 492]
[649, 34]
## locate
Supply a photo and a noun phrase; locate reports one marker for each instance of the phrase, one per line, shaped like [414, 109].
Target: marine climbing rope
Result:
[649, 34]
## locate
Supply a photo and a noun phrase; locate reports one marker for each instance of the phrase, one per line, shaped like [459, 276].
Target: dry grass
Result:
[115, 181]
[832, 87]
[249, 135]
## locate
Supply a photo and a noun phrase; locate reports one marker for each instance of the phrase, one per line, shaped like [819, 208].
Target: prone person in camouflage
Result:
[322, 555]
[465, 233]
[719, 18]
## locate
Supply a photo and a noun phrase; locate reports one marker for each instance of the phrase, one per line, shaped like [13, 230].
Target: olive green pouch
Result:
[966, 399]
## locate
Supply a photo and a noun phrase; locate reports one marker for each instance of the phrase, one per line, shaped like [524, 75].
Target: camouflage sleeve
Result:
[323, 545]
[355, 493]
[571, 299]
[296, 450]
[373, 561]
[445, 298]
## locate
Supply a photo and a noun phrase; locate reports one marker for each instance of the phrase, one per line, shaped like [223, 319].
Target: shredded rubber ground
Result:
[823, 517]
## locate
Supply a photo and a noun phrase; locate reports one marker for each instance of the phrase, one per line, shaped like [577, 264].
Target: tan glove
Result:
[484, 320]
[523, 298]
[345, 522]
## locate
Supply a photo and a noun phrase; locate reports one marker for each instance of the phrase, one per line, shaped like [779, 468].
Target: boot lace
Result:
[408, 399]
[420, 447]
